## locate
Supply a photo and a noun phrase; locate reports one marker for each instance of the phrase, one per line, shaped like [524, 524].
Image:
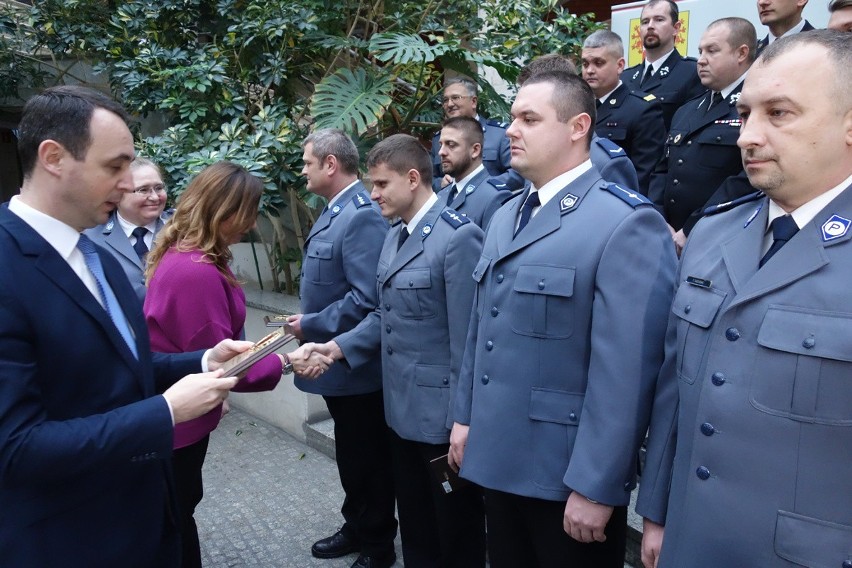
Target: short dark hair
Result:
[839, 47]
[334, 142]
[674, 11]
[469, 127]
[571, 96]
[740, 32]
[400, 153]
[62, 114]
[836, 5]
[549, 62]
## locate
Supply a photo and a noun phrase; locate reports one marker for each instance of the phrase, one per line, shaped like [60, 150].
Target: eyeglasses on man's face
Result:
[148, 190]
[454, 99]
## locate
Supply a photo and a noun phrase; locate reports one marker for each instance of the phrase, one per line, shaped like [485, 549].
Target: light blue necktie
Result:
[113, 308]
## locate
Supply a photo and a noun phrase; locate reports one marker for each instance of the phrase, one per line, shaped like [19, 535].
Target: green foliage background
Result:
[245, 80]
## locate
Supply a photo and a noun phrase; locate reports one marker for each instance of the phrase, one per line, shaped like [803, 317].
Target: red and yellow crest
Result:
[635, 53]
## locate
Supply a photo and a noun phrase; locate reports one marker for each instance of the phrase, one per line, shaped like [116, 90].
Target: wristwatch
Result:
[288, 365]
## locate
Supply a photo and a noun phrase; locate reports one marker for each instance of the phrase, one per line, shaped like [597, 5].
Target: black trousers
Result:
[439, 530]
[363, 463]
[189, 489]
[523, 531]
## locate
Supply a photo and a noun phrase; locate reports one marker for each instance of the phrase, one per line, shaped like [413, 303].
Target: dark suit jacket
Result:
[112, 238]
[762, 43]
[634, 121]
[84, 479]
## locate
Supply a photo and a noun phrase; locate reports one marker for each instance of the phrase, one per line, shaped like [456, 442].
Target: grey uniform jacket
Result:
[565, 344]
[478, 200]
[338, 286]
[112, 238]
[761, 362]
[425, 296]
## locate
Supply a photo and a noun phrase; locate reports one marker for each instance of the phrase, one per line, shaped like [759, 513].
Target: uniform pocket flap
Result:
[320, 249]
[697, 304]
[413, 278]
[817, 334]
[812, 542]
[619, 134]
[490, 155]
[550, 405]
[432, 375]
[548, 280]
[481, 268]
[724, 135]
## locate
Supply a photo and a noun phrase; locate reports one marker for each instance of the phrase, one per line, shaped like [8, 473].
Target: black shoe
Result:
[335, 546]
[385, 561]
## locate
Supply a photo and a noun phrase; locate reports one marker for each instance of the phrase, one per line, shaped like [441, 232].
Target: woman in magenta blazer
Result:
[194, 301]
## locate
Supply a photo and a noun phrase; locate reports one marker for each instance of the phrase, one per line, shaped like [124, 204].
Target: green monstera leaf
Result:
[354, 101]
[404, 49]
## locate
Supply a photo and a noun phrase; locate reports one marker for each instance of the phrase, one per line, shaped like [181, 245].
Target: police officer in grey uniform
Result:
[337, 290]
[130, 231]
[565, 342]
[701, 152]
[460, 99]
[665, 73]
[425, 296]
[756, 389]
[461, 158]
[609, 158]
[633, 120]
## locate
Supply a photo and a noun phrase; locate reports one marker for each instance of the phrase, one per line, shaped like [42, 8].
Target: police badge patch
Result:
[835, 228]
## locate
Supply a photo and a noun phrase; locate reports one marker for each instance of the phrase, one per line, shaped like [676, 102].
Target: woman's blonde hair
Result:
[221, 192]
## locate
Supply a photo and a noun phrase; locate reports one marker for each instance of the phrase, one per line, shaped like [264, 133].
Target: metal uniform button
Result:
[388, 329]
[680, 162]
[387, 307]
[718, 379]
[847, 564]
[541, 284]
[809, 343]
[494, 311]
[572, 417]
[732, 334]
[410, 283]
[675, 182]
[485, 379]
[689, 142]
[708, 429]
[499, 278]
[671, 200]
[703, 473]
[390, 350]
[687, 308]
[489, 345]
[446, 380]
[718, 139]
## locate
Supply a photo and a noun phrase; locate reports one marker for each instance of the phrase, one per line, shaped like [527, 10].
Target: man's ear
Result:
[413, 179]
[51, 155]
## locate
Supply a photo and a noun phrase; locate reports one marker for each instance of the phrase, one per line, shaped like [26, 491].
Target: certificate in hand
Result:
[243, 362]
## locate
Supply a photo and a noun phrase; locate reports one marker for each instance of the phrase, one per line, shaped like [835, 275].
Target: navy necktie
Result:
[715, 98]
[452, 195]
[783, 229]
[649, 70]
[403, 236]
[139, 246]
[531, 203]
[111, 305]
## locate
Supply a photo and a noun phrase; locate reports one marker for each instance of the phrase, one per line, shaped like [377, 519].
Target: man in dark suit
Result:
[461, 158]
[140, 215]
[755, 391]
[633, 120]
[338, 290]
[564, 345]
[460, 99]
[665, 73]
[701, 155]
[783, 18]
[84, 438]
[419, 327]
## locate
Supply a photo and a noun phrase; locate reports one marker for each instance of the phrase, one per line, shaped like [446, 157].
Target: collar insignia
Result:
[427, 228]
[110, 225]
[835, 228]
[664, 71]
[568, 202]
[469, 189]
[335, 210]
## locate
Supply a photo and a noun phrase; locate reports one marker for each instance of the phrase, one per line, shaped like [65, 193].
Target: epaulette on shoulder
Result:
[361, 199]
[643, 95]
[613, 149]
[454, 218]
[497, 123]
[632, 198]
[728, 205]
